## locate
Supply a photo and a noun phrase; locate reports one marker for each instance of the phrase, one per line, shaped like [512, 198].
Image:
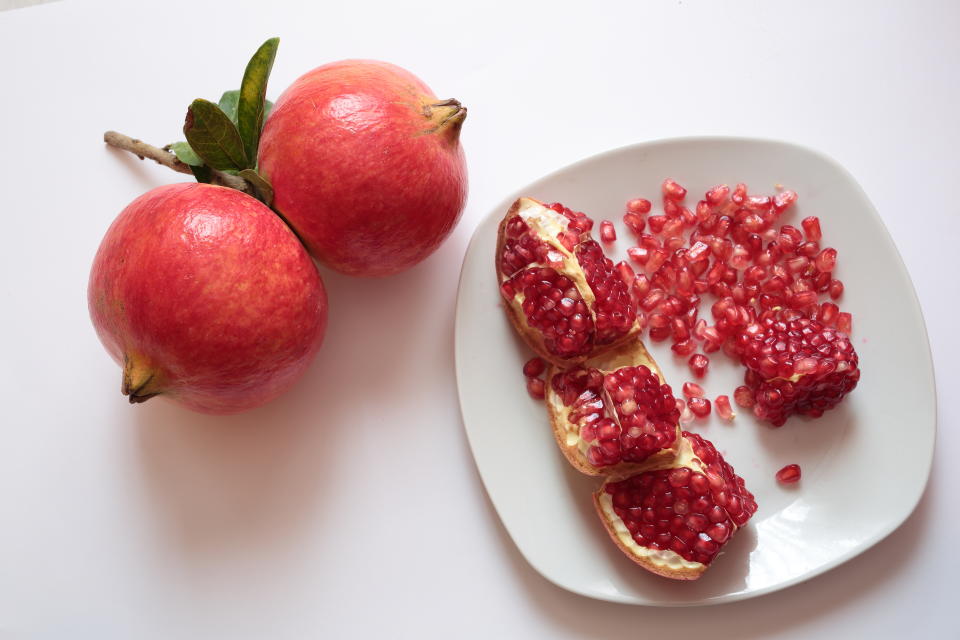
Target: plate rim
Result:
[915, 306]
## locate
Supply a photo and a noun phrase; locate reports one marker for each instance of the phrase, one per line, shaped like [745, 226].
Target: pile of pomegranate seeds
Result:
[766, 280]
[625, 415]
[689, 512]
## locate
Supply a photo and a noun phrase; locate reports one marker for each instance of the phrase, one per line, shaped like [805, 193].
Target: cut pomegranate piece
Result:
[613, 412]
[563, 295]
[675, 516]
[796, 365]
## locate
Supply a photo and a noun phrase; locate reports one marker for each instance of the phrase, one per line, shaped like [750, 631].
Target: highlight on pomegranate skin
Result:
[613, 412]
[675, 517]
[563, 295]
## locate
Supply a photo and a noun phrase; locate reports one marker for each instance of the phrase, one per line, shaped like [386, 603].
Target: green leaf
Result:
[185, 154]
[251, 109]
[203, 173]
[228, 103]
[214, 137]
[261, 184]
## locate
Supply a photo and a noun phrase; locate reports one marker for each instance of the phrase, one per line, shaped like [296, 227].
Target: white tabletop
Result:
[351, 507]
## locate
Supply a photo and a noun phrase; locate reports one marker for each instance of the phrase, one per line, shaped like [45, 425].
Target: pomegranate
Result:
[366, 165]
[201, 293]
[675, 515]
[613, 412]
[796, 365]
[563, 295]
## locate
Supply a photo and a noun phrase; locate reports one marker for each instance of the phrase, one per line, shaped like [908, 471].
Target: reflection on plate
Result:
[846, 501]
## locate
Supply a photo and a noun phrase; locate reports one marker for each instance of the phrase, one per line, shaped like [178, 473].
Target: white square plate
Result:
[864, 464]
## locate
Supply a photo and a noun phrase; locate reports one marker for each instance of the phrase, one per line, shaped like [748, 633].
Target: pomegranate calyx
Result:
[447, 117]
[140, 383]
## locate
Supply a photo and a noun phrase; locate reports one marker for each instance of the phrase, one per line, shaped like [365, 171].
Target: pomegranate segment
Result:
[613, 412]
[674, 517]
[564, 296]
[796, 365]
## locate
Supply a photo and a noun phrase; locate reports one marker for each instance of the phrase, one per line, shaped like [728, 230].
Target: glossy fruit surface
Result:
[203, 294]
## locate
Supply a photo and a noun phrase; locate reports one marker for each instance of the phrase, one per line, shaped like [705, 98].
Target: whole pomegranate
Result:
[203, 294]
[366, 165]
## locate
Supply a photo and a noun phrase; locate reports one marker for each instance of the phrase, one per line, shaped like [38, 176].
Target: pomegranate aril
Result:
[724, 410]
[789, 474]
[743, 396]
[656, 223]
[692, 390]
[826, 260]
[534, 367]
[607, 232]
[836, 289]
[784, 199]
[845, 322]
[635, 222]
[684, 347]
[639, 205]
[811, 228]
[716, 195]
[672, 190]
[699, 406]
[536, 388]
[698, 364]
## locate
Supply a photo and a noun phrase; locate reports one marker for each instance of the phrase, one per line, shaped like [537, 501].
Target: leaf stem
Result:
[143, 150]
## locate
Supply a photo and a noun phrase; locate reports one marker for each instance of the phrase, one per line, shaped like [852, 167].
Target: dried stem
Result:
[143, 150]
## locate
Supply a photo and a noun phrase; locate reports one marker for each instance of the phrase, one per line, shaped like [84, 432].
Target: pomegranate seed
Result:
[656, 223]
[811, 228]
[638, 205]
[634, 222]
[789, 474]
[828, 313]
[535, 388]
[739, 193]
[626, 273]
[743, 396]
[640, 255]
[724, 410]
[672, 190]
[784, 199]
[692, 390]
[607, 232]
[698, 364]
[826, 260]
[699, 406]
[716, 195]
[656, 260]
[534, 367]
[836, 289]
[845, 322]
[684, 347]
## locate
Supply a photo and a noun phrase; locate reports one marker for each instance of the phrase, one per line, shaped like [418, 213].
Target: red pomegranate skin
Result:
[203, 294]
[366, 165]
